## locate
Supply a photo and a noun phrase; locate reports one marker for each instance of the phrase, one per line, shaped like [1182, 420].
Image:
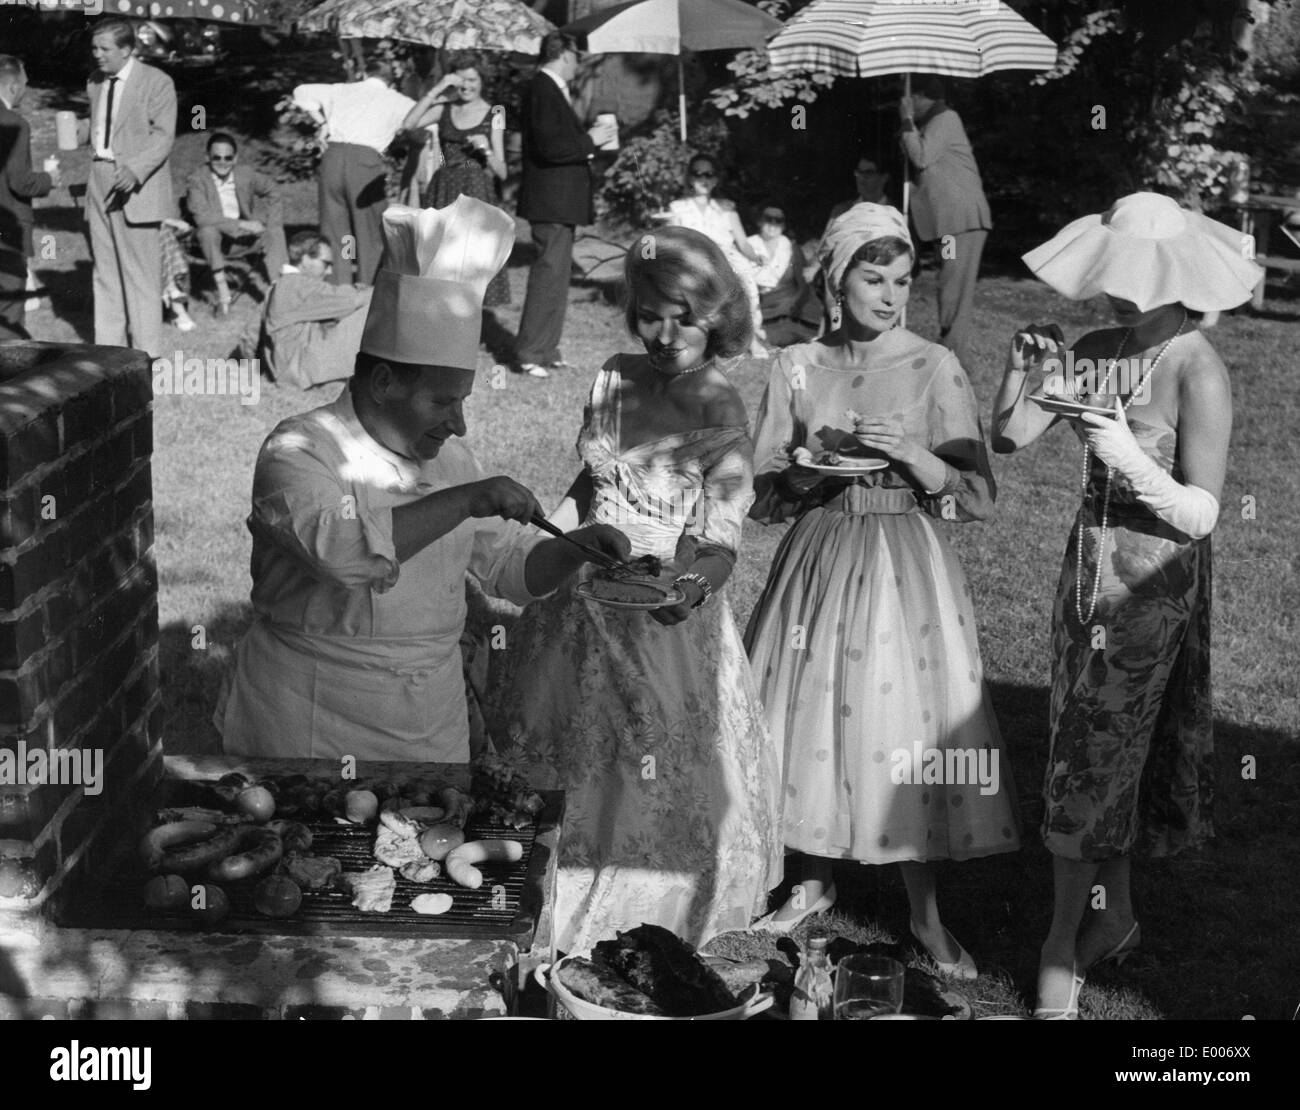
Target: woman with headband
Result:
[863, 641]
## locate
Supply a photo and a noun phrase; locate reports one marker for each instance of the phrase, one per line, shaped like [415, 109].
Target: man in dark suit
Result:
[230, 203]
[131, 129]
[554, 198]
[18, 185]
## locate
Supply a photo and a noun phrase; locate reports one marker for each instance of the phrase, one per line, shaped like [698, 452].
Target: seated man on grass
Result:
[311, 330]
[232, 204]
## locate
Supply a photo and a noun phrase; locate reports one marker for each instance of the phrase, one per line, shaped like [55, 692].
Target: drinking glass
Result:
[866, 987]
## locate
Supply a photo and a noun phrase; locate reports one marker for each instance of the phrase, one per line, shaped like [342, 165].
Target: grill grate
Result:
[505, 906]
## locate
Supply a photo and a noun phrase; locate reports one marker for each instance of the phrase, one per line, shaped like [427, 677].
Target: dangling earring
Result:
[837, 313]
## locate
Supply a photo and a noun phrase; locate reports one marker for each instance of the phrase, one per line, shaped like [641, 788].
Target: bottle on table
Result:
[814, 993]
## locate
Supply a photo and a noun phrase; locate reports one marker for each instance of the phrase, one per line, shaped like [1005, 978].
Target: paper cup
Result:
[612, 120]
[65, 126]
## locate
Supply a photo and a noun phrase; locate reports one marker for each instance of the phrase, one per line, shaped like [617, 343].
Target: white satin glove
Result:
[1190, 509]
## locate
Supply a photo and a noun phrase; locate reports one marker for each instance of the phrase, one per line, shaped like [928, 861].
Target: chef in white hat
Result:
[369, 512]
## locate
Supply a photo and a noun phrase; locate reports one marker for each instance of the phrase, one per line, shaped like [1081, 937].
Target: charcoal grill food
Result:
[432, 903]
[439, 840]
[360, 806]
[666, 968]
[182, 847]
[256, 803]
[166, 892]
[312, 872]
[295, 836]
[460, 861]
[372, 891]
[423, 871]
[260, 850]
[396, 850]
[277, 896]
[603, 986]
[209, 904]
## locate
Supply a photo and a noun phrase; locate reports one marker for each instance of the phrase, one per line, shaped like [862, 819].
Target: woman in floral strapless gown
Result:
[650, 721]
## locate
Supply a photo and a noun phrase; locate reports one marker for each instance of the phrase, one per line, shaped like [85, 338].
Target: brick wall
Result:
[78, 607]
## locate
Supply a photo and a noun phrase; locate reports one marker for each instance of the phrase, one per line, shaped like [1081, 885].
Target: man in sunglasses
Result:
[232, 204]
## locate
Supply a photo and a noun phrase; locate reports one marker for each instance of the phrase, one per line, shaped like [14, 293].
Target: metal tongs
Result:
[596, 556]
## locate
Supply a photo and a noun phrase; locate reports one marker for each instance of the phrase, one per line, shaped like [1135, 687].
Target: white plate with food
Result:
[629, 592]
[848, 466]
[1064, 407]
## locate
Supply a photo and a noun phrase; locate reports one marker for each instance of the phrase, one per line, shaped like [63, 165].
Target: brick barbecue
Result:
[78, 612]
[82, 766]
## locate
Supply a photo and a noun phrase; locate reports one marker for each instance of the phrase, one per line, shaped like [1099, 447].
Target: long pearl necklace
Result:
[1110, 470]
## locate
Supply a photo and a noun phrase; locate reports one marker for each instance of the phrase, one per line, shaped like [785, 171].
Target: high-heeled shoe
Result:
[1071, 1010]
[964, 968]
[770, 924]
[1125, 948]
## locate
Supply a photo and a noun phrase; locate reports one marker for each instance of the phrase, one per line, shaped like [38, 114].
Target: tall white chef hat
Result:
[427, 307]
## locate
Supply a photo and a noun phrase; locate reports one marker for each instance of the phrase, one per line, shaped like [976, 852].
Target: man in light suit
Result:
[232, 203]
[554, 198]
[948, 205]
[131, 129]
[18, 185]
[311, 330]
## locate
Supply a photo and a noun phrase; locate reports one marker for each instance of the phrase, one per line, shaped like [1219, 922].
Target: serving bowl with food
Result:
[647, 974]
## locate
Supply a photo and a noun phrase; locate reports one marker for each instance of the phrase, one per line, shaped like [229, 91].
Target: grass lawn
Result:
[1218, 925]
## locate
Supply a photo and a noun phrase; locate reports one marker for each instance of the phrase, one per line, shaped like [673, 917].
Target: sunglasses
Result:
[707, 174]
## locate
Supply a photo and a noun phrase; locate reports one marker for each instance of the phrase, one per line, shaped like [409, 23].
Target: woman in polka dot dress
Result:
[863, 641]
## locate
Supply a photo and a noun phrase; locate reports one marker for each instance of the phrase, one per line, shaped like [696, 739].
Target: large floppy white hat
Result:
[1149, 250]
[427, 307]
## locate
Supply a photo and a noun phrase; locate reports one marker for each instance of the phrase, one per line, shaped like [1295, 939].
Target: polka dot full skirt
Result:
[864, 647]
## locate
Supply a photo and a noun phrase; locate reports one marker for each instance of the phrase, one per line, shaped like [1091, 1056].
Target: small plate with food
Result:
[1065, 407]
[633, 585]
[845, 463]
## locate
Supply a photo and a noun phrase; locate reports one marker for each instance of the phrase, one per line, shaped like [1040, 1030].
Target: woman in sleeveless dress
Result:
[1129, 769]
[649, 720]
[470, 135]
[863, 641]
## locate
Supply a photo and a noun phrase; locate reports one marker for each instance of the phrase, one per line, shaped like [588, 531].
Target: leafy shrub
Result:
[650, 169]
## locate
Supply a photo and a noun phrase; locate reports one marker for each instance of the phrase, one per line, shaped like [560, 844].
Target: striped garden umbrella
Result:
[873, 38]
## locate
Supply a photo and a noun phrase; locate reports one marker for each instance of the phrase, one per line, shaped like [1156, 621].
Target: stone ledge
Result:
[162, 974]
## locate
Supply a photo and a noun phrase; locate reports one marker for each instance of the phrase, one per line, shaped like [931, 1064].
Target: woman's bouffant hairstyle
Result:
[684, 267]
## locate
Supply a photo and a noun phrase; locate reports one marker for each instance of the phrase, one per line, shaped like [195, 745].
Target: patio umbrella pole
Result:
[681, 93]
[907, 183]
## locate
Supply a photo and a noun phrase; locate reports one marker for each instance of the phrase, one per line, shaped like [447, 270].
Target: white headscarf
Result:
[849, 230]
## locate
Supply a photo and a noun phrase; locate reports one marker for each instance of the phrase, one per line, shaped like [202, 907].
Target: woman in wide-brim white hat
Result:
[1129, 770]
